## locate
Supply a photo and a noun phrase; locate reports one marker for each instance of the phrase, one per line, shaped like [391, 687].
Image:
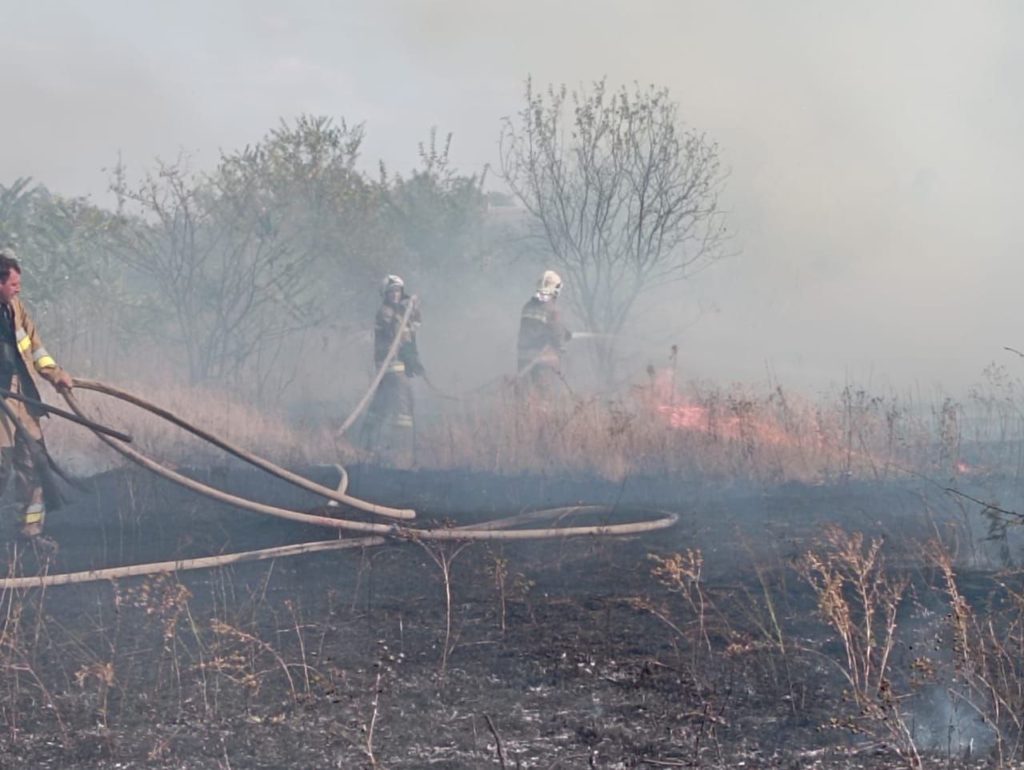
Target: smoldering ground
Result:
[702, 645]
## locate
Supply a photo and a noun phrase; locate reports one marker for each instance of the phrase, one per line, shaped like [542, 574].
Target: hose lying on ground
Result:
[242, 454]
[225, 497]
[377, 532]
[472, 531]
[366, 528]
[362, 527]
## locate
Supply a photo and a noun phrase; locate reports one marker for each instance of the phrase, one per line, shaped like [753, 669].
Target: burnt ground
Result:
[561, 653]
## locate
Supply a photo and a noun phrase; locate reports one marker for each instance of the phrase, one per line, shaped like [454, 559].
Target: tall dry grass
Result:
[707, 432]
[266, 432]
[985, 636]
[700, 431]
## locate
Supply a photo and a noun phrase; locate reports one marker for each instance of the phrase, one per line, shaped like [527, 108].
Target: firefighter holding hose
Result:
[389, 420]
[21, 437]
[542, 339]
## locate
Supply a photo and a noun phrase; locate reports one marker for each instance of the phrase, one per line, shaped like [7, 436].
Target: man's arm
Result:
[559, 334]
[44, 363]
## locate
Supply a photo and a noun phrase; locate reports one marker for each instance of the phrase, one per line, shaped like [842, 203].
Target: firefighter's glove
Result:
[414, 369]
[63, 382]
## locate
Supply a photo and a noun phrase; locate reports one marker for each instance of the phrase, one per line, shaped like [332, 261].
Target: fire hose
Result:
[520, 375]
[381, 370]
[468, 532]
[242, 454]
[362, 527]
[373, 533]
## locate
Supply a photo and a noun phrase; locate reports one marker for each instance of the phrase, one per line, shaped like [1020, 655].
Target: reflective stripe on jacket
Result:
[33, 358]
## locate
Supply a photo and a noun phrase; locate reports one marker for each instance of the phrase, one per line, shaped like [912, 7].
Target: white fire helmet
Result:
[391, 282]
[549, 285]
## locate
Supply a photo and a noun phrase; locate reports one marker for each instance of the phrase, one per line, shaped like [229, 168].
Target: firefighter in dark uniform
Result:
[542, 339]
[389, 426]
[22, 354]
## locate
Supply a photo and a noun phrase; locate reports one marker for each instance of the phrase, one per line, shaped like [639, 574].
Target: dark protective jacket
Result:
[542, 336]
[389, 321]
[31, 357]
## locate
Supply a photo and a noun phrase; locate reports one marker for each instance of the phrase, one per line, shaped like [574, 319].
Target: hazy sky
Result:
[875, 148]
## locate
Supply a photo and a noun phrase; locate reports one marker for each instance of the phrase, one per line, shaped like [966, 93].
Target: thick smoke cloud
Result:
[874, 151]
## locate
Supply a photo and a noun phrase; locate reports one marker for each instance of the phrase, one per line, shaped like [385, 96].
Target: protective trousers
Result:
[388, 429]
[16, 457]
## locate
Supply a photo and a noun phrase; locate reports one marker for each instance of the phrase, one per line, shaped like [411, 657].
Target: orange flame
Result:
[730, 423]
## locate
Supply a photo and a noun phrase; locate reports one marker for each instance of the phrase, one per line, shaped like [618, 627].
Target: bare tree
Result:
[242, 259]
[623, 195]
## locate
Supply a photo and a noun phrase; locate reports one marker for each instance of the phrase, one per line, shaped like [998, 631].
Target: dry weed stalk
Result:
[103, 673]
[500, 573]
[860, 600]
[508, 586]
[680, 573]
[164, 599]
[300, 637]
[17, 655]
[240, 664]
[372, 723]
[988, 655]
[443, 555]
[763, 634]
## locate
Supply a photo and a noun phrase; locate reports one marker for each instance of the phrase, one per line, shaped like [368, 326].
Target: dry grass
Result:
[702, 431]
[707, 432]
[265, 432]
[860, 599]
[987, 643]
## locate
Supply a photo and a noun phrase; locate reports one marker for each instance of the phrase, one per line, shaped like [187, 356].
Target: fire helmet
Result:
[391, 282]
[549, 285]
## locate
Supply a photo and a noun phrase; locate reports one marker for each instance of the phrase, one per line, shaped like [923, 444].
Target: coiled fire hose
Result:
[374, 534]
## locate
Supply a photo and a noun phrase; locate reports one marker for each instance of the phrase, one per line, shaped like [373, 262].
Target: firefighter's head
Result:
[392, 288]
[549, 285]
[10, 275]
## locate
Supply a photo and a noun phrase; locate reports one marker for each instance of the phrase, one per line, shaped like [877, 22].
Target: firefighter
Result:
[21, 354]
[542, 339]
[389, 419]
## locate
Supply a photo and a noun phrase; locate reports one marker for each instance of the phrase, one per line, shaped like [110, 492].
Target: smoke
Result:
[873, 150]
[951, 726]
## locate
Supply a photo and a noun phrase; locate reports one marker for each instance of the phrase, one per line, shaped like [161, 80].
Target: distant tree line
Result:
[225, 272]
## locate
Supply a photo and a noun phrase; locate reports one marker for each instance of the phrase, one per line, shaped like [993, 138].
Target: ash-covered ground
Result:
[704, 645]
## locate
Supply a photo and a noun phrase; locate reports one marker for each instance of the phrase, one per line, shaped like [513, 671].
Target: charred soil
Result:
[699, 646]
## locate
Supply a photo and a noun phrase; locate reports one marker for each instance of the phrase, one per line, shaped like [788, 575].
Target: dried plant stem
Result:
[498, 747]
[443, 559]
[373, 721]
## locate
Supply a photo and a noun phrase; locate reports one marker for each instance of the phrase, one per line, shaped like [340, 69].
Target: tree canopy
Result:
[621, 193]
